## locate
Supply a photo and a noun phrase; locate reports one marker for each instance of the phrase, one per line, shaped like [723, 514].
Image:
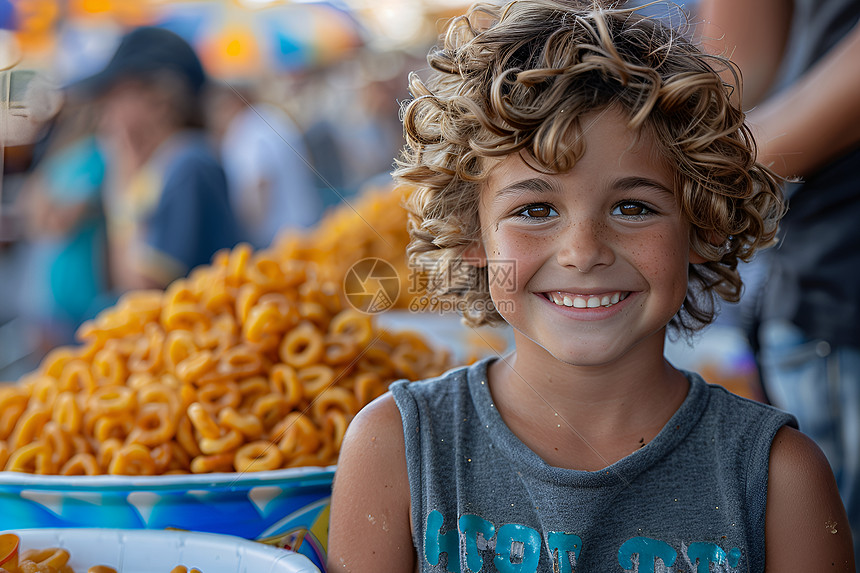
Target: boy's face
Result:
[594, 260]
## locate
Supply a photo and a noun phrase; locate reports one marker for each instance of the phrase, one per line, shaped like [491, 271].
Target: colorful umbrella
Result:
[239, 41]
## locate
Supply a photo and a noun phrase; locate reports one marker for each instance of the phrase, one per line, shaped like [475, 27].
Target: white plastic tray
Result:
[150, 551]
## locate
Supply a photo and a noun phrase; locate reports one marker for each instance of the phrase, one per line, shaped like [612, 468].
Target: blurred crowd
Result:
[150, 165]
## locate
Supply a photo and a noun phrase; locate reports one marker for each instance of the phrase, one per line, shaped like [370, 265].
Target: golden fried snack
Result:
[81, 465]
[297, 435]
[4, 454]
[227, 442]
[284, 381]
[248, 425]
[269, 409]
[112, 399]
[34, 458]
[53, 557]
[258, 456]
[212, 463]
[67, 412]
[155, 425]
[353, 233]
[252, 362]
[303, 346]
[314, 379]
[59, 442]
[13, 402]
[133, 459]
[29, 426]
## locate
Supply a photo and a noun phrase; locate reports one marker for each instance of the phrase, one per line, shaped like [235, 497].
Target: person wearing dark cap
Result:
[166, 201]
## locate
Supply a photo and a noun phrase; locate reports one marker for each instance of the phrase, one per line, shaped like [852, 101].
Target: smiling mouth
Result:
[585, 301]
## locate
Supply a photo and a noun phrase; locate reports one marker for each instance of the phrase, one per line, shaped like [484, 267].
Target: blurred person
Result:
[317, 106]
[352, 131]
[166, 198]
[270, 180]
[801, 80]
[375, 124]
[64, 233]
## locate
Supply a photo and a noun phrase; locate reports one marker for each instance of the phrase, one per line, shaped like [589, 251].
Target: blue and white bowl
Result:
[286, 508]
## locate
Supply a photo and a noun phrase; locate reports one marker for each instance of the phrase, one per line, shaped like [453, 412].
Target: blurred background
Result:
[300, 94]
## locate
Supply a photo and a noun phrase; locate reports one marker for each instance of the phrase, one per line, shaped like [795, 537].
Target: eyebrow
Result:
[629, 183]
[537, 185]
[534, 185]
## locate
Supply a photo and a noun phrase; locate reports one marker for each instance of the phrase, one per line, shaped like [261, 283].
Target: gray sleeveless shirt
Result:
[483, 501]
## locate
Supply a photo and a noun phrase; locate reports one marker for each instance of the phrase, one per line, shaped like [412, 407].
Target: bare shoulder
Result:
[377, 426]
[804, 504]
[370, 526]
[374, 444]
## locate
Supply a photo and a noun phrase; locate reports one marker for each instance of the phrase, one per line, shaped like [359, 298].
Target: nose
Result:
[585, 244]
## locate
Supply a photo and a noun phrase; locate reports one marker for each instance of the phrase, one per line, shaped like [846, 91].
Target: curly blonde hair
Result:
[519, 78]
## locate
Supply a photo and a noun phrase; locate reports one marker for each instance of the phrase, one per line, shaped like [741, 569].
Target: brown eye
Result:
[630, 209]
[537, 211]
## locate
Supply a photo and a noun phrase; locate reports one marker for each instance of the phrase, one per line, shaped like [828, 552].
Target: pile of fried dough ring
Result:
[254, 362]
[372, 226]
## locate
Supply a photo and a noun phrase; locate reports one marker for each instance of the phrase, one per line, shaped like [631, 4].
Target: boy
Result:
[597, 160]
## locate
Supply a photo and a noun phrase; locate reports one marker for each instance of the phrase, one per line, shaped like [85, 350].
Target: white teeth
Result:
[587, 301]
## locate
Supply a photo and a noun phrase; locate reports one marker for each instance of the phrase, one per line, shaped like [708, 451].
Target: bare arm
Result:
[807, 125]
[752, 35]
[806, 528]
[816, 120]
[370, 528]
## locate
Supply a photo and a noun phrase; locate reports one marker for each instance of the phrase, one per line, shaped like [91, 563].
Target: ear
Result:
[475, 254]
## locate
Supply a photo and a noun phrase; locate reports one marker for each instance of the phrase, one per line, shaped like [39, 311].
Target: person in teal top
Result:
[65, 275]
[78, 275]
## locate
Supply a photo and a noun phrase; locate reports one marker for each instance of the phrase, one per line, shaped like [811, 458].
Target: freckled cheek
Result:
[514, 259]
[512, 247]
[668, 266]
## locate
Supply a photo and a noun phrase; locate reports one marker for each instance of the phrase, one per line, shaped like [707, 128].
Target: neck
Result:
[610, 409]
